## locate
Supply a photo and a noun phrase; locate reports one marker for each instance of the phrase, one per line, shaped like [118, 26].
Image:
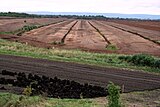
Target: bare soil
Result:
[8, 25]
[125, 41]
[51, 33]
[149, 25]
[84, 36]
[29, 41]
[148, 31]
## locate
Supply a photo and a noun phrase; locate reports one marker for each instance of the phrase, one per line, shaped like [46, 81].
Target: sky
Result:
[93, 6]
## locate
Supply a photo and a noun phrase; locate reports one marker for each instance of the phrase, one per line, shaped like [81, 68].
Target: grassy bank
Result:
[13, 100]
[105, 60]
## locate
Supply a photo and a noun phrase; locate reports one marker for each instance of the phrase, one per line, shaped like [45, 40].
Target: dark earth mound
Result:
[52, 87]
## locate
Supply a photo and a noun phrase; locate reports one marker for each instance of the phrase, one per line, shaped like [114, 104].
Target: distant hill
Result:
[112, 15]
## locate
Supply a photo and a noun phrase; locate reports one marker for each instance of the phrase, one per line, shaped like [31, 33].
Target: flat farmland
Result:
[89, 35]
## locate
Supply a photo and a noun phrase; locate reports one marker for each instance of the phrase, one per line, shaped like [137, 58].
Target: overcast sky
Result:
[95, 6]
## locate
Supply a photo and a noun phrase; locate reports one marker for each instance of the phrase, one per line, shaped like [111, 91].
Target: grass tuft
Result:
[111, 47]
[5, 33]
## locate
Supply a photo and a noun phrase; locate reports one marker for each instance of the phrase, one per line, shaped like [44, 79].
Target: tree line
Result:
[89, 17]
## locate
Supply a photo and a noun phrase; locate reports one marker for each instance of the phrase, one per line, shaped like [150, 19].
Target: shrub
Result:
[125, 58]
[157, 63]
[25, 28]
[141, 59]
[114, 95]
[28, 28]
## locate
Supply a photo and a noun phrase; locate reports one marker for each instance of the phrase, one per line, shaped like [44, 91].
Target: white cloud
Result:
[99, 6]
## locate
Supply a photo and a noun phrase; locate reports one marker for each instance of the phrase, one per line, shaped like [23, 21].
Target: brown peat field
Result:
[90, 35]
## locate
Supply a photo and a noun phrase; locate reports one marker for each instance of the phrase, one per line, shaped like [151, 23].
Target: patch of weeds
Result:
[29, 27]
[12, 100]
[5, 33]
[111, 47]
[61, 43]
[25, 28]
[57, 43]
[54, 43]
[27, 91]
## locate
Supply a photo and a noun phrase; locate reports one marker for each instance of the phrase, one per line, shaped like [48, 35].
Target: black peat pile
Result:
[52, 87]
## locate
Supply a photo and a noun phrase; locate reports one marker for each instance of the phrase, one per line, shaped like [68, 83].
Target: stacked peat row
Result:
[53, 87]
[63, 39]
[108, 42]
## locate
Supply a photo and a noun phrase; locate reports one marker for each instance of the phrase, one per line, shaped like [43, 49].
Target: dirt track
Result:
[132, 80]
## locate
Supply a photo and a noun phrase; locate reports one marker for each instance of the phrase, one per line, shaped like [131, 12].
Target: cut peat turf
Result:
[52, 87]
